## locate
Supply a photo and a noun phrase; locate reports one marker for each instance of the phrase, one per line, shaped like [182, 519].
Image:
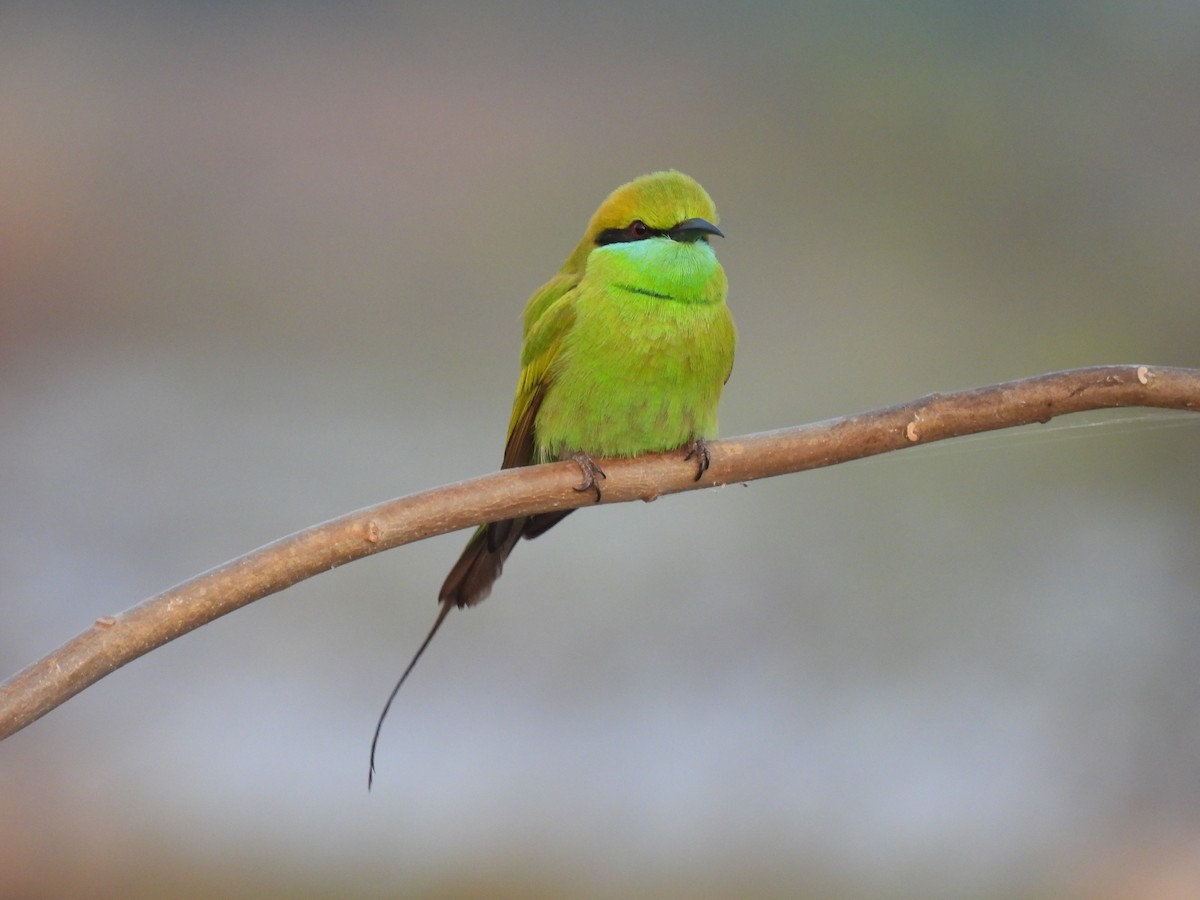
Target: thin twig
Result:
[114, 640]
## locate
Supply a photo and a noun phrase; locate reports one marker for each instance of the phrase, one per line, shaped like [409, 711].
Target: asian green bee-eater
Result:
[625, 352]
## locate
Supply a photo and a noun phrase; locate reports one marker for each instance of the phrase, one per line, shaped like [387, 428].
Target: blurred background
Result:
[263, 264]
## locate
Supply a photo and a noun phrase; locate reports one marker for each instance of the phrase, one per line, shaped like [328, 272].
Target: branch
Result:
[114, 640]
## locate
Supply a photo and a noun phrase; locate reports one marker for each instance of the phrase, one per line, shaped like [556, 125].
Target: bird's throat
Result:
[660, 269]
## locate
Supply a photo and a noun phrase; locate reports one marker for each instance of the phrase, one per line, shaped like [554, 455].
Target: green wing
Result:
[544, 332]
[548, 317]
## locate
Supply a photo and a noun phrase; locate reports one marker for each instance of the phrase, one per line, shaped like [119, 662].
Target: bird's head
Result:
[666, 205]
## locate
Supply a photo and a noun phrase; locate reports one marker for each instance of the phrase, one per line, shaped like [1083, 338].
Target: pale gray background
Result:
[262, 265]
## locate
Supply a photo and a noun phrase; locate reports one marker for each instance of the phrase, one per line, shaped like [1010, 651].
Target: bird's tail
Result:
[482, 560]
[471, 579]
[469, 582]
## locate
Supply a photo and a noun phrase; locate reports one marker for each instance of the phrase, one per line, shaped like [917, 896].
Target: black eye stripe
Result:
[624, 235]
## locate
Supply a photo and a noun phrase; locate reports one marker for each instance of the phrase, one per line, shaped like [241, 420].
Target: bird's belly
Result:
[613, 396]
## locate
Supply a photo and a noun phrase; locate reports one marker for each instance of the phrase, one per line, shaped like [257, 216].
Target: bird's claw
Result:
[591, 472]
[698, 450]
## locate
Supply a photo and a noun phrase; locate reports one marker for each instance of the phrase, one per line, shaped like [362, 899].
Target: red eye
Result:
[638, 228]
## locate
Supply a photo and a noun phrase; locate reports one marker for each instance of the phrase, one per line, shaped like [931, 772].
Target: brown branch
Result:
[115, 640]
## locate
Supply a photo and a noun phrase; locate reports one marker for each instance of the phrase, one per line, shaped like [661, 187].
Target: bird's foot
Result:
[591, 472]
[697, 449]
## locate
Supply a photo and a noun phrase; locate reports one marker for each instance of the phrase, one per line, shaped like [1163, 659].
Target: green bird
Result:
[625, 352]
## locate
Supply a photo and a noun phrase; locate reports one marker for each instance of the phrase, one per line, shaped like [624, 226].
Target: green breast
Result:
[643, 364]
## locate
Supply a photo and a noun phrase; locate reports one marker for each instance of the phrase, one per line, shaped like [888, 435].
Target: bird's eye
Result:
[638, 228]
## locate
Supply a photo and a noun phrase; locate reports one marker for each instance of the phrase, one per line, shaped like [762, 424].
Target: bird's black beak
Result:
[693, 230]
